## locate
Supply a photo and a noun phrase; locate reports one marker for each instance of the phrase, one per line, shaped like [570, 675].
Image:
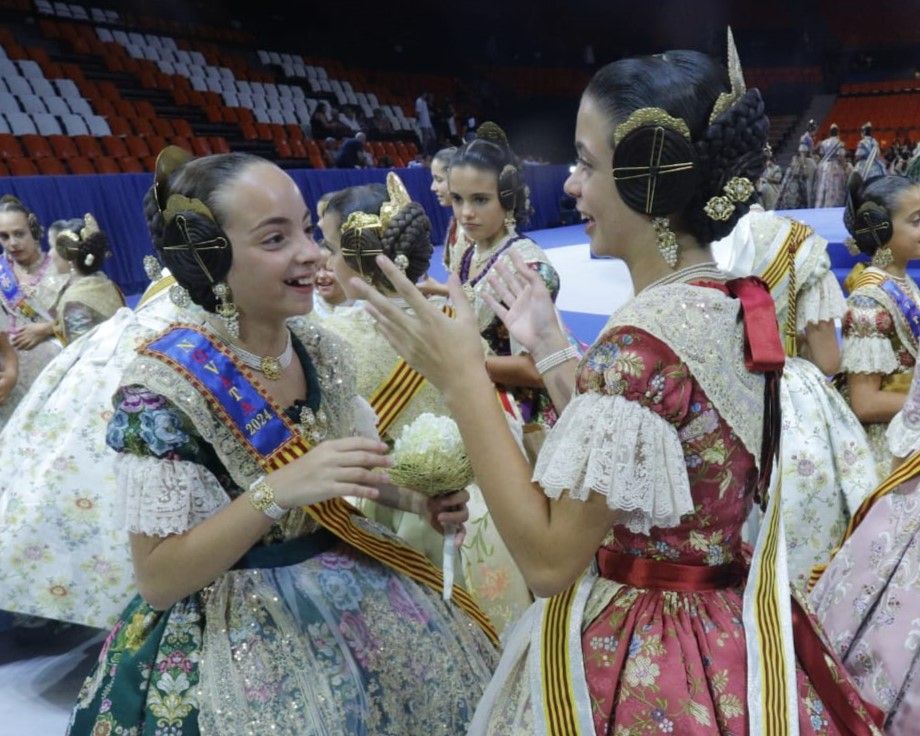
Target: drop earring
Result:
[667, 240]
[882, 257]
[227, 310]
[510, 222]
[179, 296]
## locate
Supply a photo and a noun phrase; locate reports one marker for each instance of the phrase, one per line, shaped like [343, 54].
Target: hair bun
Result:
[492, 132]
[868, 222]
[656, 170]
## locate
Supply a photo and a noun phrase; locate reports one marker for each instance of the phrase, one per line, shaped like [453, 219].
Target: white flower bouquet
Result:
[429, 457]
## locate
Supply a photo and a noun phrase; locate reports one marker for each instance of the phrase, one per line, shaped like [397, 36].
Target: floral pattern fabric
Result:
[63, 552]
[867, 602]
[664, 661]
[330, 645]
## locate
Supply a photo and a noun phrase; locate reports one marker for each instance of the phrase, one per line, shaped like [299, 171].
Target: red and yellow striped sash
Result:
[559, 711]
[767, 616]
[393, 395]
[908, 470]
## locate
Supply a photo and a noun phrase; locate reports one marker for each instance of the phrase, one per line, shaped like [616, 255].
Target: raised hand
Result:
[446, 351]
[522, 302]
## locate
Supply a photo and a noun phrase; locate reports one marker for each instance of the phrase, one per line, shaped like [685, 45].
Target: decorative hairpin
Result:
[738, 189]
[649, 116]
[735, 77]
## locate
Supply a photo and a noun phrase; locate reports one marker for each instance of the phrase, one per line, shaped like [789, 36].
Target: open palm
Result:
[522, 302]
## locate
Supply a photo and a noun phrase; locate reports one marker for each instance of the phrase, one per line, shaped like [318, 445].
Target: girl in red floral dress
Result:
[630, 524]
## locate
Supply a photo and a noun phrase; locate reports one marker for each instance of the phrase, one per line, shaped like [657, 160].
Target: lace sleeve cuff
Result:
[622, 450]
[163, 497]
[868, 355]
[820, 302]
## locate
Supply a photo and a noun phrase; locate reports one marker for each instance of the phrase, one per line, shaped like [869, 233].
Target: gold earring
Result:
[667, 240]
[227, 310]
[883, 257]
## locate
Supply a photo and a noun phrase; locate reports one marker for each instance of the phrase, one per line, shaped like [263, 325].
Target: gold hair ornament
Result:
[735, 77]
[397, 200]
[738, 189]
[649, 116]
[659, 120]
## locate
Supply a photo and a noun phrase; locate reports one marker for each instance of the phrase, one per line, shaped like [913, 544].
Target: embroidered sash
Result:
[908, 470]
[13, 296]
[264, 431]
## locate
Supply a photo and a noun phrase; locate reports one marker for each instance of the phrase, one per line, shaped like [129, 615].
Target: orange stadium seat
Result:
[22, 167]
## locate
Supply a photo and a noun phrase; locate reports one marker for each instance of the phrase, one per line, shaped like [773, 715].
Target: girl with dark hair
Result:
[89, 296]
[630, 523]
[882, 324]
[868, 597]
[868, 158]
[455, 241]
[798, 188]
[28, 290]
[485, 563]
[831, 176]
[268, 604]
[490, 201]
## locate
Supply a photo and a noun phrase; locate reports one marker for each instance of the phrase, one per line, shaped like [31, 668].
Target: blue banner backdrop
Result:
[116, 202]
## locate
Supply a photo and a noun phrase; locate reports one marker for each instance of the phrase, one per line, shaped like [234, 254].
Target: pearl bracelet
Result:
[544, 365]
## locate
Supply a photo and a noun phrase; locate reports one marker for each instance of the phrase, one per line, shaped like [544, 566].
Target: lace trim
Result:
[622, 450]
[868, 355]
[164, 497]
[820, 300]
[704, 329]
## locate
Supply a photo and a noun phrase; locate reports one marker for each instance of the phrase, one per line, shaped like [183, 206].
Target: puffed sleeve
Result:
[868, 331]
[820, 299]
[166, 489]
[619, 436]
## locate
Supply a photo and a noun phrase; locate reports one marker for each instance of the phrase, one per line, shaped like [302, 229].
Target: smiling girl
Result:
[882, 324]
[267, 604]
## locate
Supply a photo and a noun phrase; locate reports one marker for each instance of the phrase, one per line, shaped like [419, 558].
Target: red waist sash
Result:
[642, 572]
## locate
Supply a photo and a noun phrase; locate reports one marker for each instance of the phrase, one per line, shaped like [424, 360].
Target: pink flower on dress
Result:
[175, 660]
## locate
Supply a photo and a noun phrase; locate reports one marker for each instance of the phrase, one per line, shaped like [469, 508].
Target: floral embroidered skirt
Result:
[868, 601]
[655, 662]
[335, 645]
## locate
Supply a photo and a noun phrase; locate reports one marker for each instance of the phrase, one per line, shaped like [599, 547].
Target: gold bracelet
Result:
[262, 498]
